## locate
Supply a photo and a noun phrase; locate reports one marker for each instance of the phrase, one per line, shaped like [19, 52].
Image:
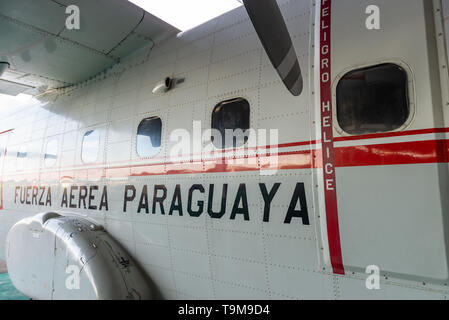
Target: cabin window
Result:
[2, 146]
[21, 156]
[230, 123]
[91, 145]
[149, 135]
[22, 153]
[373, 99]
[51, 153]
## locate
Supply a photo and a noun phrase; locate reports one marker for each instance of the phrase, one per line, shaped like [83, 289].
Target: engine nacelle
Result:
[50, 256]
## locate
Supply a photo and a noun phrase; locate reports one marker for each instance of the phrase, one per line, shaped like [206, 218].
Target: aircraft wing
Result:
[43, 54]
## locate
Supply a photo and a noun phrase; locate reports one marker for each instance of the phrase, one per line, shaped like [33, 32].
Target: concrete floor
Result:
[2, 266]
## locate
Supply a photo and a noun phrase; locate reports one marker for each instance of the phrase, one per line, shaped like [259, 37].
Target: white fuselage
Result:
[202, 224]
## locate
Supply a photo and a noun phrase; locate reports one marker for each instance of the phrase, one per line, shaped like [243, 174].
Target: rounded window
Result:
[373, 99]
[230, 121]
[149, 135]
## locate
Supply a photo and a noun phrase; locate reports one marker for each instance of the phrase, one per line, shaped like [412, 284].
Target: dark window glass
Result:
[22, 153]
[149, 137]
[230, 119]
[373, 99]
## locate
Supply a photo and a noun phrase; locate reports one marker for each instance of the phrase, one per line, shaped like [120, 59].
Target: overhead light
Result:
[187, 14]
[3, 66]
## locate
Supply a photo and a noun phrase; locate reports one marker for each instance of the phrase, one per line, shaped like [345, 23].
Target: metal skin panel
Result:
[103, 29]
[445, 4]
[189, 256]
[51, 56]
[28, 50]
[393, 211]
[418, 231]
[12, 88]
[154, 28]
[32, 11]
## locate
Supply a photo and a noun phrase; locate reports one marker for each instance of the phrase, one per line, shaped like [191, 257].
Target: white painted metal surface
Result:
[445, 7]
[393, 215]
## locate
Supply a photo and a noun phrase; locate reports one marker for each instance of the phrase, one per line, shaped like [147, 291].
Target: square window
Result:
[373, 99]
[21, 157]
[230, 122]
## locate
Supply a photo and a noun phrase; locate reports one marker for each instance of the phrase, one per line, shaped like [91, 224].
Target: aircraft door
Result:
[384, 170]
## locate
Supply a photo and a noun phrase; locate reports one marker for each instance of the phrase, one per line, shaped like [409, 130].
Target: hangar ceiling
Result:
[44, 54]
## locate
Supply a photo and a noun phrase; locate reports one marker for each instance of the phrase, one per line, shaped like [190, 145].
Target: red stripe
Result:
[211, 154]
[413, 152]
[294, 160]
[124, 169]
[6, 131]
[330, 184]
[416, 152]
[296, 144]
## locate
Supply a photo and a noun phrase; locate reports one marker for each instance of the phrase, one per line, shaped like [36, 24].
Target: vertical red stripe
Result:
[330, 185]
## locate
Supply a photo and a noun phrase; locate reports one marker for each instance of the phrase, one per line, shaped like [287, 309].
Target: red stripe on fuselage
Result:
[327, 137]
[414, 152]
[410, 152]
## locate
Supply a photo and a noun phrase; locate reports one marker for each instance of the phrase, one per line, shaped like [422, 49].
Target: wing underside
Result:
[44, 54]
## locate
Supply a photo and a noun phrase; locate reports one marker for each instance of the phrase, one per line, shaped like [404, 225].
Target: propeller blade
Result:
[270, 26]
